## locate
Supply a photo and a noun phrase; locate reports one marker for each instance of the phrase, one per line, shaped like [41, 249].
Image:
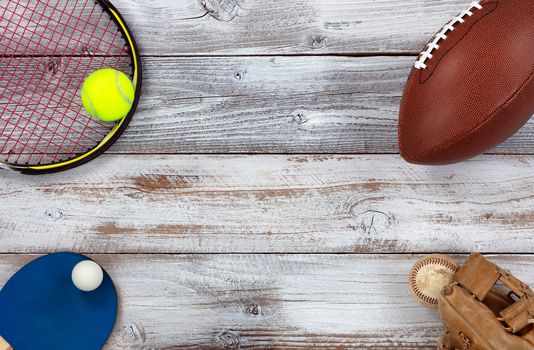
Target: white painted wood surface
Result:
[280, 27]
[269, 301]
[216, 250]
[275, 105]
[293, 103]
[266, 204]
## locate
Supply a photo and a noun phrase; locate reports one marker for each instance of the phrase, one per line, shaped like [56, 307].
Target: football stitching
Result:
[415, 271]
[442, 35]
[423, 79]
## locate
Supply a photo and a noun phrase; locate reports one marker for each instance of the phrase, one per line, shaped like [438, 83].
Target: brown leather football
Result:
[472, 87]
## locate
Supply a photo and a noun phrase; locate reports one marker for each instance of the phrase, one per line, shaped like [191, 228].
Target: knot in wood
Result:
[374, 221]
[52, 66]
[134, 333]
[229, 340]
[54, 214]
[221, 10]
[253, 309]
[317, 41]
[240, 75]
[88, 51]
[298, 118]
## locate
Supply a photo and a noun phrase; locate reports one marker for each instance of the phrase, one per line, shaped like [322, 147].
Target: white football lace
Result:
[442, 35]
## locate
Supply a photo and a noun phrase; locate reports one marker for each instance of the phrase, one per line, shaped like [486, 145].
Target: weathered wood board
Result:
[281, 27]
[273, 251]
[275, 105]
[269, 301]
[264, 204]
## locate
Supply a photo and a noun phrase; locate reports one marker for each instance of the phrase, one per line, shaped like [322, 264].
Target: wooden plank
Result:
[255, 27]
[262, 301]
[264, 104]
[265, 204]
[268, 105]
[252, 27]
[275, 105]
[269, 301]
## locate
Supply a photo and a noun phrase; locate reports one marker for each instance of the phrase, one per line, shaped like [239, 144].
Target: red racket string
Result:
[28, 121]
[64, 90]
[30, 84]
[48, 122]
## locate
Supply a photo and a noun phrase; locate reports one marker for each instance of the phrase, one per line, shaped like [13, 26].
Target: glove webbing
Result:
[479, 276]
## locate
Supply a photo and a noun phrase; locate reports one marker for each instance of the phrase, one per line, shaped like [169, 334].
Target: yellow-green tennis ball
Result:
[107, 94]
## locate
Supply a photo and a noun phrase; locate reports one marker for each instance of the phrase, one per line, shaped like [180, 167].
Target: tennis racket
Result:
[47, 49]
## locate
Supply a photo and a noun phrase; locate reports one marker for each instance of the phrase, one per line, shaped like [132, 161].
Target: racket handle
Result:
[4, 345]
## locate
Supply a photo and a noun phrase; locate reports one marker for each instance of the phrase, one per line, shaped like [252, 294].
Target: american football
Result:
[472, 87]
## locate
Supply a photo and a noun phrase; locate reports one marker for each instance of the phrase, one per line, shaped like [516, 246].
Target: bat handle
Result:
[4, 344]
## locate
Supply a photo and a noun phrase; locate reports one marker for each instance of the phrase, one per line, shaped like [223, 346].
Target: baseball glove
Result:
[486, 308]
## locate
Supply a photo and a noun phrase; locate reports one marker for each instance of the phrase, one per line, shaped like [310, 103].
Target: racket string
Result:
[29, 120]
[10, 82]
[37, 124]
[49, 121]
[50, 19]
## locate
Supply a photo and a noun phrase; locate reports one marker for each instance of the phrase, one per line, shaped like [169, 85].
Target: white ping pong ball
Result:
[87, 276]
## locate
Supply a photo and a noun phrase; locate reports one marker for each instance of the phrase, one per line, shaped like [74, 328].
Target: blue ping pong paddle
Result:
[42, 309]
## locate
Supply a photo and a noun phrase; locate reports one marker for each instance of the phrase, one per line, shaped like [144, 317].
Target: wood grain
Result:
[264, 105]
[272, 243]
[282, 27]
[278, 104]
[265, 204]
[269, 301]
[275, 105]
[268, 105]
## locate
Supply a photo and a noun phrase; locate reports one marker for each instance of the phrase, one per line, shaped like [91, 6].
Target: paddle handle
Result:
[4, 345]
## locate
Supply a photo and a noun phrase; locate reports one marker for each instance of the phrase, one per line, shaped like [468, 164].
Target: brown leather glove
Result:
[480, 314]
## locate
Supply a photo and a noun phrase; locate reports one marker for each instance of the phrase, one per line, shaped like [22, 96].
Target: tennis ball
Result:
[107, 94]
